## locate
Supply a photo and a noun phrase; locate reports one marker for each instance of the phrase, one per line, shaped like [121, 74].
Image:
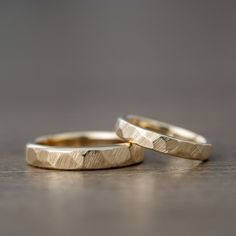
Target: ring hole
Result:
[166, 129]
[77, 142]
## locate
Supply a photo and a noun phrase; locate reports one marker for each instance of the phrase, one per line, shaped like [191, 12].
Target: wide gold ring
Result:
[82, 150]
[163, 137]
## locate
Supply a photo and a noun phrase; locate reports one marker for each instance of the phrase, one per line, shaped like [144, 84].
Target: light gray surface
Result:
[77, 66]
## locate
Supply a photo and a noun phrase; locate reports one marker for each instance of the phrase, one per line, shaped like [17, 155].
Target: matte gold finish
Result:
[163, 137]
[82, 150]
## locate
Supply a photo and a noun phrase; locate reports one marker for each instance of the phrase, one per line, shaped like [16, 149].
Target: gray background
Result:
[68, 66]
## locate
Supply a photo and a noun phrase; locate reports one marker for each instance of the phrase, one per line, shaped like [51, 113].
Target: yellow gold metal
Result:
[163, 137]
[82, 150]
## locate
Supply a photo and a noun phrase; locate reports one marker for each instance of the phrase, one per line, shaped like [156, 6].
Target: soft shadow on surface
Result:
[132, 199]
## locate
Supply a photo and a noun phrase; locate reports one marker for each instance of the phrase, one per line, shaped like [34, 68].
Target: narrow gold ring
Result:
[82, 150]
[163, 137]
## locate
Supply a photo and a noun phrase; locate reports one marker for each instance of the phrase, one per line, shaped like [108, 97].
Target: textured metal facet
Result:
[171, 140]
[78, 158]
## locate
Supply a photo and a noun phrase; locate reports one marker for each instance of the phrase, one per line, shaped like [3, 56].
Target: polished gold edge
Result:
[80, 158]
[184, 143]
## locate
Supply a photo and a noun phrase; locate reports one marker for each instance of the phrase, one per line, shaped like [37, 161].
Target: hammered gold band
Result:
[163, 137]
[82, 150]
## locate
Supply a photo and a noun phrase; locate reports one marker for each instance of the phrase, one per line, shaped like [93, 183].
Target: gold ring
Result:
[163, 137]
[82, 150]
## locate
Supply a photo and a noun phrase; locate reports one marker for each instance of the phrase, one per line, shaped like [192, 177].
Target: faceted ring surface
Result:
[82, 150]
[163, 137]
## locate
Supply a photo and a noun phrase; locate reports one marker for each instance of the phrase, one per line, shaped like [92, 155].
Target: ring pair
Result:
[101, 150]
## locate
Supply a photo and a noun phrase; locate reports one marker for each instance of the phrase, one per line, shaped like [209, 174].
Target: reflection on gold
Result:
[179, 167]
